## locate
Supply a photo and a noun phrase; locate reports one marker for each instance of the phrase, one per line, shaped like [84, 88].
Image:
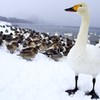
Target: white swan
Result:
[84, 58]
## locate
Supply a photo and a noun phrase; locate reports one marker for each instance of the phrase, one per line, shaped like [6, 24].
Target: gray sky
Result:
[51, 11]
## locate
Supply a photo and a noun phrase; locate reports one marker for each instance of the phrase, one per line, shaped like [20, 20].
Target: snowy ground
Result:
[4, 23]
[40, 79]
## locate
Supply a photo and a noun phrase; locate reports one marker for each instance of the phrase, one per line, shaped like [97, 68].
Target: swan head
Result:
[81, 8]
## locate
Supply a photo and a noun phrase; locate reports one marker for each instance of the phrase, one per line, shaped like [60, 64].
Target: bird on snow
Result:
[83, 57]
[28, 53]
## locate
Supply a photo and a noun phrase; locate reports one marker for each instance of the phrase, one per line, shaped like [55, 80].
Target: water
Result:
[63, 29]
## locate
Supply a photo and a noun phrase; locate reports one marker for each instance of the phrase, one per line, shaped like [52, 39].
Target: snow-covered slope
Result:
[40, 79]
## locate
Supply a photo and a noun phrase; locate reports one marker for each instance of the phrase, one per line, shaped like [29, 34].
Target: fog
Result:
[49, 11]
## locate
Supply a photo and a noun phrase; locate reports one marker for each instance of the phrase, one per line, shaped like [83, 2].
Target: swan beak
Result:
[73, 9]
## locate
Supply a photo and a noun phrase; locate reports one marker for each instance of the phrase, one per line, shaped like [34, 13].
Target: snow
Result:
[5, 28]
[4, 23]
[40, 79]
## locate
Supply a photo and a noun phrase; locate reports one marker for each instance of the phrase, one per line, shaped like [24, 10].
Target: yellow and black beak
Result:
[73, 9]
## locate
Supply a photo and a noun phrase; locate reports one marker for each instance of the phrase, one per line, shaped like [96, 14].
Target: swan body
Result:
[83, 57]
[86, 60]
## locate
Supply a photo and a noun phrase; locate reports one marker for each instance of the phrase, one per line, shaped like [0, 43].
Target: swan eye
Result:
[80, 5]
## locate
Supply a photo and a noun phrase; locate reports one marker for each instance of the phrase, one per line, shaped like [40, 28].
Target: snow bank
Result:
[5, 23]
[40, 79]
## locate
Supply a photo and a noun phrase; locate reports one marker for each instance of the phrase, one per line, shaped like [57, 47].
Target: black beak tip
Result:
[65, 9]
[70, 9]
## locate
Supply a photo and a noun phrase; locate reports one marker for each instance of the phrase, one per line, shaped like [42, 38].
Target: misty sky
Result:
[51, 11]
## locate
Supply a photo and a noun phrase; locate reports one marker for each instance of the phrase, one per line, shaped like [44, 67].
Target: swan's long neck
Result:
[83, 32]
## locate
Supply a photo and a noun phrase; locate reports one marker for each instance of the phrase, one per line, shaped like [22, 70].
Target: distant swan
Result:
[84, 58]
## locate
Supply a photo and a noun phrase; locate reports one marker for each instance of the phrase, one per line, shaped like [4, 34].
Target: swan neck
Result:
[83, 32]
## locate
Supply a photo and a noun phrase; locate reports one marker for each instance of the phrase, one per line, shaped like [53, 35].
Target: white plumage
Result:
[83, 57]
[85, 60]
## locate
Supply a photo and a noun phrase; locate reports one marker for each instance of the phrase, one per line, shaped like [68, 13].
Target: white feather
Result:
[83, 57]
